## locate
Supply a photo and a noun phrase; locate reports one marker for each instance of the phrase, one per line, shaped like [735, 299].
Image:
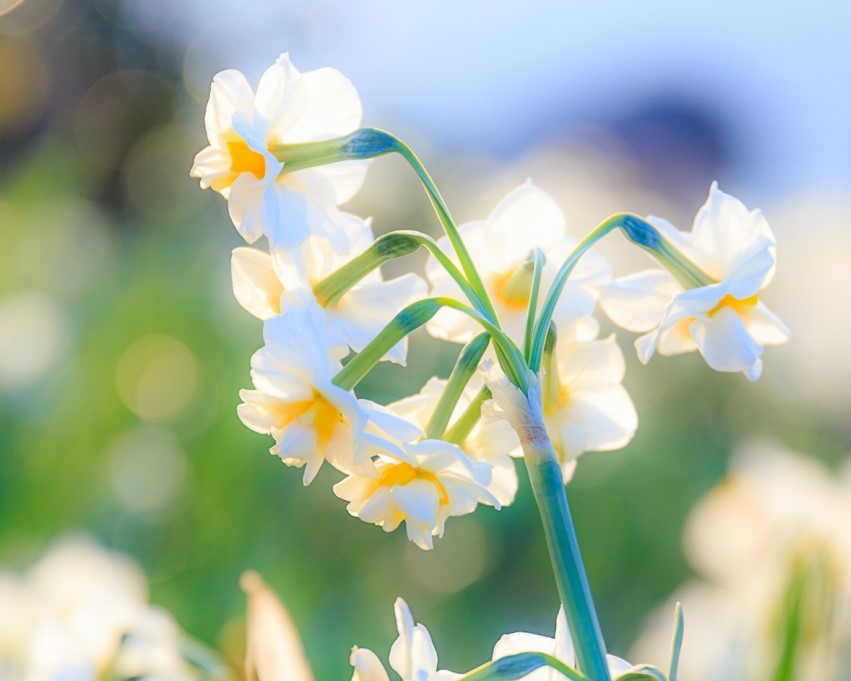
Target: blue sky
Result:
[482, 75]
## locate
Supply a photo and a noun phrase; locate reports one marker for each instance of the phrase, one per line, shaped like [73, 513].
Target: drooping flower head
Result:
[243, 127]
[490, 441]
[726, 321]
[296, 402]
[422, 485]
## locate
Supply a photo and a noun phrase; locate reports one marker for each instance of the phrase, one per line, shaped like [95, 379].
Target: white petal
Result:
[525, 219]
[255, 284]
[765, 327]
[637, 302]
[273, 647]
[592, 365]
[724, 229]
[229, 93]
[253, 207]
[418, 500]
[281, 97]
[333, 107]
[725, 343]
[563, 644]
[608, 418]
[367, 666]
[400, 652]
[750, 272]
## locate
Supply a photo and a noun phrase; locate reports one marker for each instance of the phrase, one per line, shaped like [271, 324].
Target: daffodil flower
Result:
[412, 655]
[585, 406]
[726, 321]
[243, 127]
[296, 402]
[268, 284]
[491, 441]
[559, 647]
[422, 485]
[525, 220]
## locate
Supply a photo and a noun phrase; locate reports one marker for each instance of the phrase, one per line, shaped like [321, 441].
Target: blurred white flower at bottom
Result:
[82, 613]
[773, 545]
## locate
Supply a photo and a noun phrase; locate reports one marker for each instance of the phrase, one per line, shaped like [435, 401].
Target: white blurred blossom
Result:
[82, 612]
[772, 550]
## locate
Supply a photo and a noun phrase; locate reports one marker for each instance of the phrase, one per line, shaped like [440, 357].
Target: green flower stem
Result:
[551, 497]
[465, 367]
[676, 642]
[641, 233]
[414, 316]
[519, 666]
[394, 244]
[465, 423]
[368, 143]
[538, 256]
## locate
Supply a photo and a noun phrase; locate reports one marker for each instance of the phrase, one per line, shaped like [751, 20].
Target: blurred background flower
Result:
[122, 349]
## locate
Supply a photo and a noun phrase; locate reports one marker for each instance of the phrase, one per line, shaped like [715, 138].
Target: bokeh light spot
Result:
[147, 470]
[32, 326]
[466, 542]
[157, 378]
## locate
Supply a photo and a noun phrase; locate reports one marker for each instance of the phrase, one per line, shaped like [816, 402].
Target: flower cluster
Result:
[82, 612]
[515, 289]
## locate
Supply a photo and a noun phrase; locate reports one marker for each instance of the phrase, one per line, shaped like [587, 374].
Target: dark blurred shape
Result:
[75, 68]
[676, 142]
[24, 84]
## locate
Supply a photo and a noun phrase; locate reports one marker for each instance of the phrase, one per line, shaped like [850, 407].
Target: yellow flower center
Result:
[738, 305]
[399, 474]
[316, 412]
[555, 397]
[513, 288]
[243, 159]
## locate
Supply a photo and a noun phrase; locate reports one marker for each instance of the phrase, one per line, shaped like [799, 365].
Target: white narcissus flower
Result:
[526, 219]
[412, 655]
[491, 441]
[585, 406]
[296, 402]
[289, 107]
[560, 647]
[267, 285]
[725, 321]
[273, 647]
[423, 484]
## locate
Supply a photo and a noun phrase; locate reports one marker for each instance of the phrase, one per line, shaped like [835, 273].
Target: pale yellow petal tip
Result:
[251, 582]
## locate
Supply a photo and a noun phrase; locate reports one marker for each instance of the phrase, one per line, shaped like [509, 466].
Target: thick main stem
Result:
[571, 580]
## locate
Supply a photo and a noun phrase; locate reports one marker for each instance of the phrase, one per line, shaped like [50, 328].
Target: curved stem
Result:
[533, 302]
[447, 223]
[543, 323]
